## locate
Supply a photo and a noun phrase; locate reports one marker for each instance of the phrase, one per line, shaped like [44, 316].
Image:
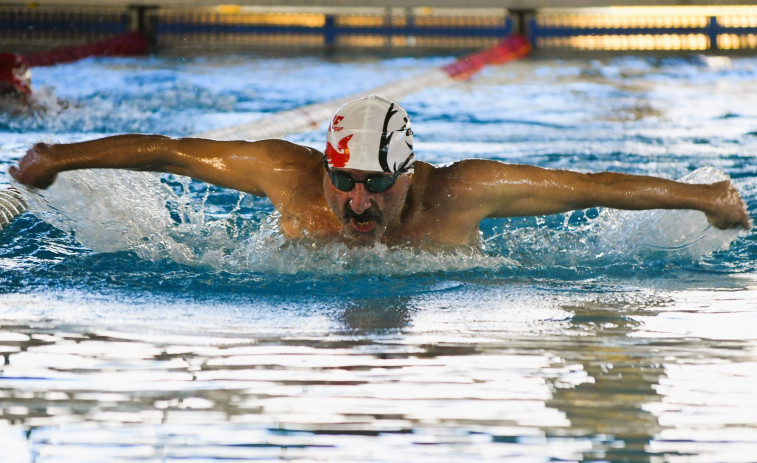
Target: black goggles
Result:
[373, 183]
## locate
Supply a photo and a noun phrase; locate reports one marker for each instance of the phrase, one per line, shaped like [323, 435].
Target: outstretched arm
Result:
[497, 189]
[245, 166]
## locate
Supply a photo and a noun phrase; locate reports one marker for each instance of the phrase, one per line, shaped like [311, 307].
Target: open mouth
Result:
[364, 222]
[363, 226]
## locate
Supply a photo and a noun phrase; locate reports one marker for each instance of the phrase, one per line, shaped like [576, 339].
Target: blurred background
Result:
[398, 26]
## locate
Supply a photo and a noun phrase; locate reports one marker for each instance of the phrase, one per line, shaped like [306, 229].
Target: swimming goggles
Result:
[373, 183]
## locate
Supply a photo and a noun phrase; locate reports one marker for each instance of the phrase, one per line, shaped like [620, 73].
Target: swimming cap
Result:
[371, 134]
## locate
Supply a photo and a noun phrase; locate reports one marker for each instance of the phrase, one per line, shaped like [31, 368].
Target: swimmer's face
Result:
[365, 215]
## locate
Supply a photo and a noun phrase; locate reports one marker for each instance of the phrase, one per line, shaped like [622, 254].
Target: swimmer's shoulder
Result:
[464, 173]
[440, 205]
[431, 183]
[450, 186]
[431, 176]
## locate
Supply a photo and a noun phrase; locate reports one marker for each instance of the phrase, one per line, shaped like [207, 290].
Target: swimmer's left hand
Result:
[728, 209]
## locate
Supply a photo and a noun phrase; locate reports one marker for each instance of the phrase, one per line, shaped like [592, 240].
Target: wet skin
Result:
[440, 205]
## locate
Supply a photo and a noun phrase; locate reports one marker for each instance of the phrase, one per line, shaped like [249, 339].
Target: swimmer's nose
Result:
[360, 199]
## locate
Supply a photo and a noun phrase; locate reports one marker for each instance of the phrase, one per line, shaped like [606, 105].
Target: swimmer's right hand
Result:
[35, 168]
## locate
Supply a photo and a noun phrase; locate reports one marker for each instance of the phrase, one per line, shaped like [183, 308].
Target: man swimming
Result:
[368, 188]
[15, 76]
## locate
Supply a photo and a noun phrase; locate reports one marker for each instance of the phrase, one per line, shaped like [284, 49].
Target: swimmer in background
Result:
[367, 187]
[15, 83]
[16, 99]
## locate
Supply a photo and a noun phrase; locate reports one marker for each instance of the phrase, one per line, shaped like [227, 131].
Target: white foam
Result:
[111, 211]
[679, 233]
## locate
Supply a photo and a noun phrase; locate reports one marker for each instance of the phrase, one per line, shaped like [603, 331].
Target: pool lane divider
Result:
[310, 117]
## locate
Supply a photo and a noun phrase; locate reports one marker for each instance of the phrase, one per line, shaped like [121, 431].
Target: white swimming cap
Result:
[371, 134]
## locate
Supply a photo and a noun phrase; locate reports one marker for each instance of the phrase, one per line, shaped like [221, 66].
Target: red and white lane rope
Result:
[312, 116]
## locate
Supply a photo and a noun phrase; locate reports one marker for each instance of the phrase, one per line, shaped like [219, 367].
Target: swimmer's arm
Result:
[245, 166]
[504, 190]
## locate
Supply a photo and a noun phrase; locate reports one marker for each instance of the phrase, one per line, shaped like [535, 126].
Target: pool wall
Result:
[383, 26]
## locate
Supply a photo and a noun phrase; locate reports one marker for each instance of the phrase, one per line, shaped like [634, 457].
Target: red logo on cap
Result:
[337, 120]
[339, 157]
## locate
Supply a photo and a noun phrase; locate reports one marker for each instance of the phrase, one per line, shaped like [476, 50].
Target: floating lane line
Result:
[309, 117]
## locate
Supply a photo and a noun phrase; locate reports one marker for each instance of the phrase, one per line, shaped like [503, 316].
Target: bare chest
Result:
[434, 226]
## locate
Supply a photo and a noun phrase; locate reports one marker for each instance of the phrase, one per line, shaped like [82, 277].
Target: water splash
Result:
[680, 233]
[611, 236]
[112, 211]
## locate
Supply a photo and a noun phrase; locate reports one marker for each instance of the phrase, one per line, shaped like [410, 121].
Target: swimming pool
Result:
[184, 328]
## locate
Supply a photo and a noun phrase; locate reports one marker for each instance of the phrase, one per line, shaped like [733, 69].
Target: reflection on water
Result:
[484, 370]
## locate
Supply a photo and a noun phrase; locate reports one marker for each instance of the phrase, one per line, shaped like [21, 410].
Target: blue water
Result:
[149, 318]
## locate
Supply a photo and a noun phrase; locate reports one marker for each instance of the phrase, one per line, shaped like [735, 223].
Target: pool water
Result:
[153, 318]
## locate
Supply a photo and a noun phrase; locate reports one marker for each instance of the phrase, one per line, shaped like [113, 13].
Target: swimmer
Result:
[368, 188]
[15, 76]
[15, 83]
[16, 98]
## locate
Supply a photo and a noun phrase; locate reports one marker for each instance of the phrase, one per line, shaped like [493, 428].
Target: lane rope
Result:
[309, 117]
